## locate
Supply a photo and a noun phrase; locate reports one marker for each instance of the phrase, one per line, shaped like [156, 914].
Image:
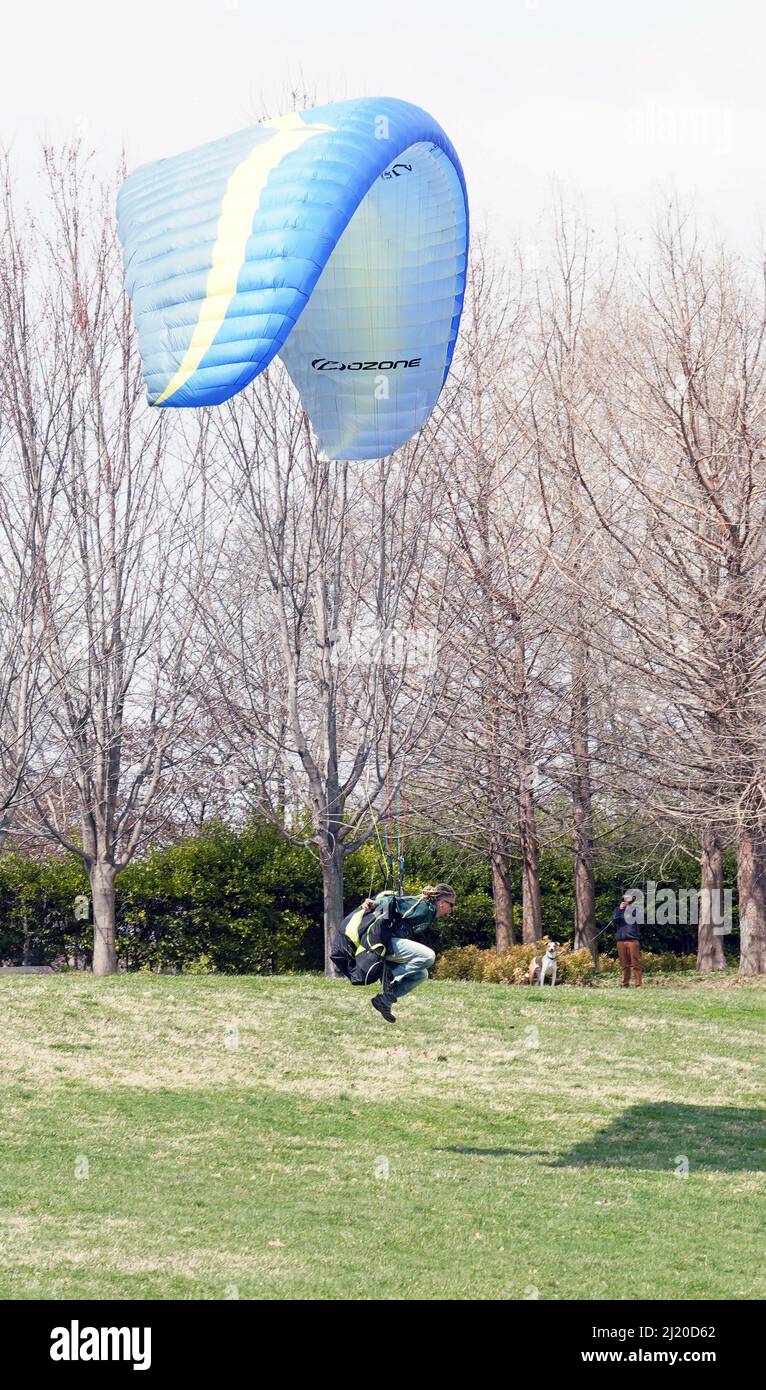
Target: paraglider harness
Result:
[363, 941]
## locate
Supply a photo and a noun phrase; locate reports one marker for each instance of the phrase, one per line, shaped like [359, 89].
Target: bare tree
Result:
[680, 494]
[498, 575]
[570, 298]
[36, 424]
[328, 670]
[120, 565]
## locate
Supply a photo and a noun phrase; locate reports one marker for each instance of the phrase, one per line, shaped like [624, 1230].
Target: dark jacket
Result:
[414, 914]
[625, 929]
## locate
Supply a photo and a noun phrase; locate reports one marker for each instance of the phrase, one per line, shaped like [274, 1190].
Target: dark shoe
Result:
[380, 1003]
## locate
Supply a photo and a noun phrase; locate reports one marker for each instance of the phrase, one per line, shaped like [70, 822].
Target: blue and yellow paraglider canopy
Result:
[336, 237]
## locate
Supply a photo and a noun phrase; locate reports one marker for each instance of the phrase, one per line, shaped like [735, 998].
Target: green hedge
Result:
[242, 902]
[37, 910]
[248, 900]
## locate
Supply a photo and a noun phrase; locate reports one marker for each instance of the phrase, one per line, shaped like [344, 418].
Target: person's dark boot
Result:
[380, 1002]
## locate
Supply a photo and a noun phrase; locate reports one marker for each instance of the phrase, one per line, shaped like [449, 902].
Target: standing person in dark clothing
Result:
[628, 937]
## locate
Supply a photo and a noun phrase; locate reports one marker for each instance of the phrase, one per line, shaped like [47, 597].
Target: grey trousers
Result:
[409, 963]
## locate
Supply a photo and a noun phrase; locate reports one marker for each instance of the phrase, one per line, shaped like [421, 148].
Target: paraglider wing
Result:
[336, 237]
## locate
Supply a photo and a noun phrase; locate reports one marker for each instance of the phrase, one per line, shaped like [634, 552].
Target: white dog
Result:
[542, 965]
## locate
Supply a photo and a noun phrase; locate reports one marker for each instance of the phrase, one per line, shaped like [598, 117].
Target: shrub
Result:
[225, 900]
[37, 910]
[460, 963]
[510, 967]
[247, 899]
[203, 965]
[576, 967]
[652, 963]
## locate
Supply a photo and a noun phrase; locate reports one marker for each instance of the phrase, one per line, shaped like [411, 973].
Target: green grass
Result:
[211, 1137]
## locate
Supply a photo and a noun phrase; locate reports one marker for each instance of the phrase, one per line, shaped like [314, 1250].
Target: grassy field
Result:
[222, 1137]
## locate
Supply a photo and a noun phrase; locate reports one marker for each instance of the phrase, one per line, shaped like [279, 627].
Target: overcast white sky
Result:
[610, 97]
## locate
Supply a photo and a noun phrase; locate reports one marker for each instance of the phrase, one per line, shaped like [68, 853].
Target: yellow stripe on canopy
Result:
[240, 203]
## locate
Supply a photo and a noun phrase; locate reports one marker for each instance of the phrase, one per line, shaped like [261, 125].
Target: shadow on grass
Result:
[658, 1136]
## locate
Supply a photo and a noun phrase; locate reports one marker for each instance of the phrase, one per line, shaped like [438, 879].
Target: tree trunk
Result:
[102, 877]
[532, 916]
[585, 891]
[751, 887]
[6, 823]
[332, 885]
[582, 796]
[531, 908]
[502, 894]
[710, 954]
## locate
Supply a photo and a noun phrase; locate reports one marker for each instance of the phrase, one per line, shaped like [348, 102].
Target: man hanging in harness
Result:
[377, 942]
[408, 961]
